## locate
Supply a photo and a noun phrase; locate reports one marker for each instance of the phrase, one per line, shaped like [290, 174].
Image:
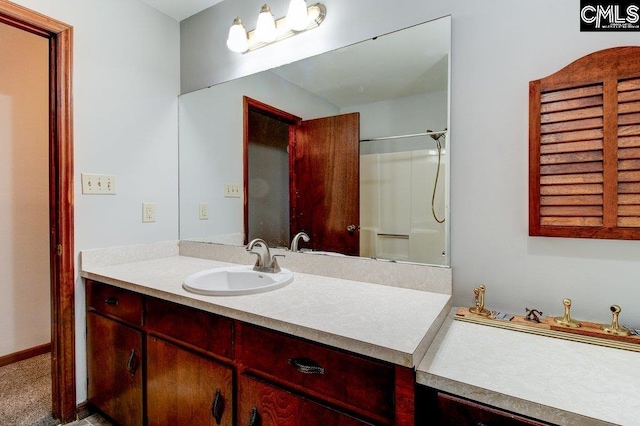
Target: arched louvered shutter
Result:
[584, 148]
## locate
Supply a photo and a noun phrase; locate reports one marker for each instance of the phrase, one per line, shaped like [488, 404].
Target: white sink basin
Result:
[235, 281]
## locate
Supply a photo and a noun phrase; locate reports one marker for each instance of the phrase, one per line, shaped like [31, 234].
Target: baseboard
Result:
[25, 354]
[83, 410]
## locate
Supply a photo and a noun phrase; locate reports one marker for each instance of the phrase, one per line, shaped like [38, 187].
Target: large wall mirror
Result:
[350, 147]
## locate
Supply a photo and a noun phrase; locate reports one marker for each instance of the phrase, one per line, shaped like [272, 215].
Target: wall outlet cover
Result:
[203, 211]
[148, 212]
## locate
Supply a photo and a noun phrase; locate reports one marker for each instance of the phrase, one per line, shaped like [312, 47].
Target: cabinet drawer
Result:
[203, 330]
[271, 406]
[123, 304]
[461, 412]
[345, 379]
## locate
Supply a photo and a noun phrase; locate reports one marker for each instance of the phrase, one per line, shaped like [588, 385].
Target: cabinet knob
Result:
[217, 406]
[306, 366]
[254, 419]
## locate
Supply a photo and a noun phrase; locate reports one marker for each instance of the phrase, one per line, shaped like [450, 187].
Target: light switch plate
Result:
[95, 184]
[232, 190]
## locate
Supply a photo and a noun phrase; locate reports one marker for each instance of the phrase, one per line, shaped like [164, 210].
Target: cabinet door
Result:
[114, 354]
[260, 404]
[186, 389]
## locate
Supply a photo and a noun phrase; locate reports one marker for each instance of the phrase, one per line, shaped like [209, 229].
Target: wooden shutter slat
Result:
[561, 95]
[629, 188]
[629, 222]
[571, 221]
[629, 210]
[629, 176]
[575, 114]
[627, 85]
[629, 142]
[578, 189]
[580, 135]
[628, 153]
[628, 199]
[571, 104]
[625, 119]
[629, 107]
[571, 200]
[587, 124]
[629, 96]
[629, 130]
[573, 157]
[558, 148]
[573, 211]
[561, 169]
[569, 179]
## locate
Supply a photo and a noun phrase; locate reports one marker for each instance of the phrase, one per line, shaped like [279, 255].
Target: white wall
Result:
[25, 320]
[497, 48]
[125, 88]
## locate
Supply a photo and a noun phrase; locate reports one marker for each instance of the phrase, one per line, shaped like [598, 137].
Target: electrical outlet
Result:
[148, 212]
[232, 190]
[203, 211]
[98, 184]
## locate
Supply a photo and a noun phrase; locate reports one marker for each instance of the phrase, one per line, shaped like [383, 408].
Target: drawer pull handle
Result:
[132, 363]
[306, 366]
[111, 301]
[254, 419]
[217, 407]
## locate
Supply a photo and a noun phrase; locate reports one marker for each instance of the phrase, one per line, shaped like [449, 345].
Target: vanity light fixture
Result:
[299, 18]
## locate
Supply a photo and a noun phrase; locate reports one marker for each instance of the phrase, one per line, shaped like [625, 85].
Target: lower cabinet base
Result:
[154, 362]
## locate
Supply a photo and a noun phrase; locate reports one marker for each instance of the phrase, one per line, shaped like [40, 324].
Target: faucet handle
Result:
[275, 268]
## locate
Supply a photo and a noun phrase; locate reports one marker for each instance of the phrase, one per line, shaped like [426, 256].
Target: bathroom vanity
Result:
[321, 350]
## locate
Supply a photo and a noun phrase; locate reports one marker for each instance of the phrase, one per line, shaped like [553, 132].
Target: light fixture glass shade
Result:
[297, 17]
[237, 40]
[266, 26]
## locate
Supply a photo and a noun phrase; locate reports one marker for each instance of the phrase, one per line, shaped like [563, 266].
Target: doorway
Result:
[267, 194]
[322, 163]
[61, 245]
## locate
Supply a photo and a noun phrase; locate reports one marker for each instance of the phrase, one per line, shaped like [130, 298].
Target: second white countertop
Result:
[388, 323]
[555, 380]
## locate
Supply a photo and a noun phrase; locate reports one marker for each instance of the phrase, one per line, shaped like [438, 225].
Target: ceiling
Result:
[181, 9]
[403, 63]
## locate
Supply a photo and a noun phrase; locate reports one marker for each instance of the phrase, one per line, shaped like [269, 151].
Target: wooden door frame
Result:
[61, 200]
[255, 105]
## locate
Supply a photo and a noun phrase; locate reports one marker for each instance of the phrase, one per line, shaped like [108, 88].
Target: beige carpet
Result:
[25, 392]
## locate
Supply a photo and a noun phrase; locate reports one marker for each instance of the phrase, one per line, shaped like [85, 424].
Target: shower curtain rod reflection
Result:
[441, 132]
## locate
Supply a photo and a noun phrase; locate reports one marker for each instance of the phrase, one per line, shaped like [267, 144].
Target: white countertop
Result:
[554, 380]
[388, 323]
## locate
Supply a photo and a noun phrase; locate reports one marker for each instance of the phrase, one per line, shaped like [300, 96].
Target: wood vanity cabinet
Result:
[196, 368]
[114, 353]
[439, 408]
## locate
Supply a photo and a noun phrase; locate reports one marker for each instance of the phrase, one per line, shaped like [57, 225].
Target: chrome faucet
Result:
[265, 262]
[296, 240]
